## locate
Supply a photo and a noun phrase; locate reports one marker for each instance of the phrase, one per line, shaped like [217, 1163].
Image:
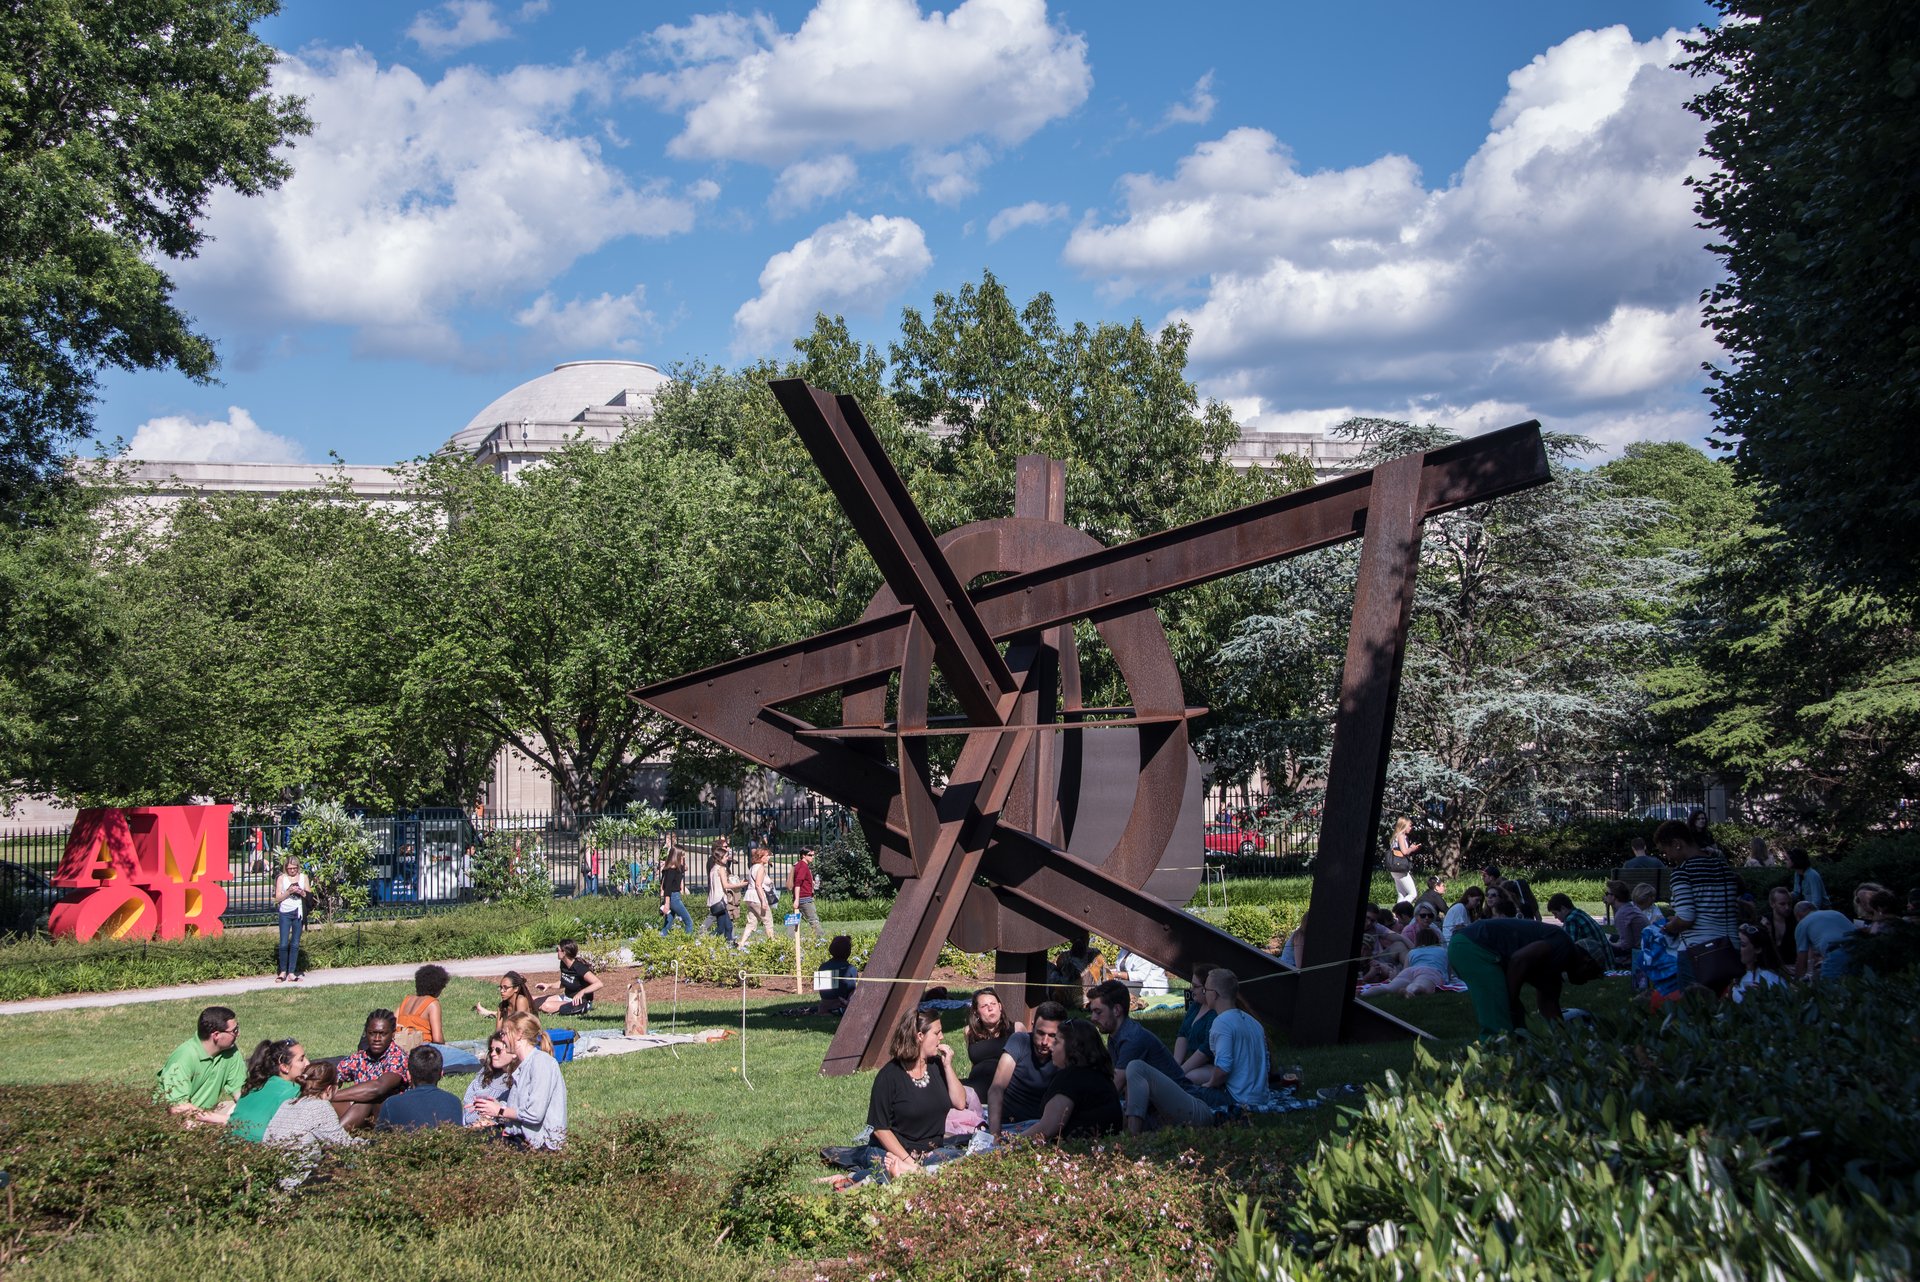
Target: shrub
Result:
[1249, 922]
[337, 855]
[846, 868]
[1043, 1213]
[510, 868]
[760, 1209]
[1892, 860]
[1774, 1138]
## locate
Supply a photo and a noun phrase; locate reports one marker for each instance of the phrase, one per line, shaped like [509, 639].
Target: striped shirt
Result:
[1706, 896]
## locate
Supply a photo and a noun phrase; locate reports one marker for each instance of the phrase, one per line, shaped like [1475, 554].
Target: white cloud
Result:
[1032, 214]
[853, 265]
[585, 326]
[703, 190]
[456, 25]
[868, 75]
[806, 183]
[1198, 107]
[1560, 268]
[948, 176]
[413, 199]
[177, 438]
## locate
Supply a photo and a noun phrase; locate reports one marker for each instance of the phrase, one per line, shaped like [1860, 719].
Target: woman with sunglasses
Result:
[1424, 918]
[493, 1081]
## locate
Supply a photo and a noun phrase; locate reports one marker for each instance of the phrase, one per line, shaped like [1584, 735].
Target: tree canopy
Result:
[1811, 114]
[118, 119]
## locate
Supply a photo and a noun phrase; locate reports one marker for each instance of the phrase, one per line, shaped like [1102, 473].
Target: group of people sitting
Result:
[391, 1081]
[1059, 1077]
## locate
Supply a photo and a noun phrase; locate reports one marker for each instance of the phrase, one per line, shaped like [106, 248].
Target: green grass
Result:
[125, 1045]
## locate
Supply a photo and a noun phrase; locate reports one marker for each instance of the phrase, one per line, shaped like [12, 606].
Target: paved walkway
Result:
[399, 973]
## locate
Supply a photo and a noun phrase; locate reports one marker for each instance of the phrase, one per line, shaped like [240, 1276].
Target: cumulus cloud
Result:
[1198, 107]
[608, 323]
[456, 25]
[413, 198]
[869, 75]
[1560, 268]
[1032, 214]
[853, 265]
[806, 183]
[178, 438]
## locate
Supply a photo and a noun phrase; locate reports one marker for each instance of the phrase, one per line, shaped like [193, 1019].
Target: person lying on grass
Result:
[202, 1078]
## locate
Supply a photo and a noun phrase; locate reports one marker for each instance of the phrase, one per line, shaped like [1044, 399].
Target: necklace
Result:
[921, 1078]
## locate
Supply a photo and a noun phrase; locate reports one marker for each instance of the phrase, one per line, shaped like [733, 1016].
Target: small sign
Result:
[792, 919]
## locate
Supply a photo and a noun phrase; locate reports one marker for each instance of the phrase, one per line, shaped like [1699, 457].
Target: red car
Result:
[1225, 837]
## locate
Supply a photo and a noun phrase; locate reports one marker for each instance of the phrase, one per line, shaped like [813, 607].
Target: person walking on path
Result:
[721, 888]
[673, 882]
[758, 902]
[291, 890]
[803, 889]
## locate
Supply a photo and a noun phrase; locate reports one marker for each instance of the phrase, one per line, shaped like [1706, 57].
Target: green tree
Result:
[1705, 506]
[118, 118]
[1522, 661]
[1811, 117]
[555, 594]
[337, 855]
[261, 648]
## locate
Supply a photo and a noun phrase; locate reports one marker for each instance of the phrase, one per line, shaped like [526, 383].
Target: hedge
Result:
[1776, 1138]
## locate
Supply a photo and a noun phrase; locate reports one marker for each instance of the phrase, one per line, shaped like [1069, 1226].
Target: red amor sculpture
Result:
[145, 872]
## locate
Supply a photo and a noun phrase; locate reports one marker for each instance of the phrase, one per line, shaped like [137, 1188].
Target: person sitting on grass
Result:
[577, 984]
[912, 1094]
[1190, 1046]
[1586, 932]
[516, 998]
[1434, 896]
[202, 1078]
[273, 1078]
[371, 1074]
[1291, 952]
[423, 1103]
[1495, 958]
[1821, 940]
[493, 1081]
[1081, 1102]
[1127, 1039]
[1426, 969]
[1517, 887]
[1472, 906]
[1025, 1071]
[309, 1120]
[418, 1018]
[1387, 949]
[534, 1113]
[1628, 921]
[1238, 1077]
[833, 1001]
[1765, 969]
[1403, 919]
[988, 1028]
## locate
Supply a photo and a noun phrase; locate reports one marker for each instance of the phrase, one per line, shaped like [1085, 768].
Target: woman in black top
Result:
[1081, 1102]
[673, 880]
[988, 1029]
[912, 1094]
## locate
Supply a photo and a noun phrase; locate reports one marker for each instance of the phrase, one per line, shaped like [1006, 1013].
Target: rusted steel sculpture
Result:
[1057, 818]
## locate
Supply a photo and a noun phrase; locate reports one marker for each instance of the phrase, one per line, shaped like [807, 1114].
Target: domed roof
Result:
[564, 395]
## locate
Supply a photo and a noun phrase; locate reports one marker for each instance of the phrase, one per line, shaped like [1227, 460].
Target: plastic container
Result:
[562, 1044]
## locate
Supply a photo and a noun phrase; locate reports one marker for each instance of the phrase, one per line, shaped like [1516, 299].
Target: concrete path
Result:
[400, 973]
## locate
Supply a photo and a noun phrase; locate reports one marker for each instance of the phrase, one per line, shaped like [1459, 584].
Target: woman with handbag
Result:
[291, 890]
[1705, 899]
[758, 902]
[722, 889]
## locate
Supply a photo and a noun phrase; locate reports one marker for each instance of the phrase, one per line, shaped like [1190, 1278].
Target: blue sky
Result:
[1468, 214]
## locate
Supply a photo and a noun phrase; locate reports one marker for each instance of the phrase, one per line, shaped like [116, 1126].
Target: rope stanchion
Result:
[743, 1031]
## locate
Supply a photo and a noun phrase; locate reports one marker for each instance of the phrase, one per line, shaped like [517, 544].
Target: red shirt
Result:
[362, 1067]
[803, 880]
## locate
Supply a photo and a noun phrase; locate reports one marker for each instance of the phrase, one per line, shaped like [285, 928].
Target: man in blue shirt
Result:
[1109, 1004]
[423, 1103]
[1238, 1075]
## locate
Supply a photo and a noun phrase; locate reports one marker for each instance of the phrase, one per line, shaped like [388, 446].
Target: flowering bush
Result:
[337, 855]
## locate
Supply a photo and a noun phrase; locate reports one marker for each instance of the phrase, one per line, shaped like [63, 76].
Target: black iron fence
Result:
[424, 860]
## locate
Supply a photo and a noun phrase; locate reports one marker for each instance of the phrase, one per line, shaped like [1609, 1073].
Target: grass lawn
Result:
[125, 1045]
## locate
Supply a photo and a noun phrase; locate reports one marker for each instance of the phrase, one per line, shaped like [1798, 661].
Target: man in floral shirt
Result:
[372, 1073]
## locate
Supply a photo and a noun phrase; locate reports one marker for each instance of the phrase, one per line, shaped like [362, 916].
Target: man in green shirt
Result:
[203, 1077]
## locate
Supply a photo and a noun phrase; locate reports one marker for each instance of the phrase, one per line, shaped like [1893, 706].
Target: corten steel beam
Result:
[876, 501]
[1466, 472]
[1362, 733]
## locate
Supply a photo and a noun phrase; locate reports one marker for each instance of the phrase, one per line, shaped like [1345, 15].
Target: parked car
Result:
[1226, 837]
[26, 896]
